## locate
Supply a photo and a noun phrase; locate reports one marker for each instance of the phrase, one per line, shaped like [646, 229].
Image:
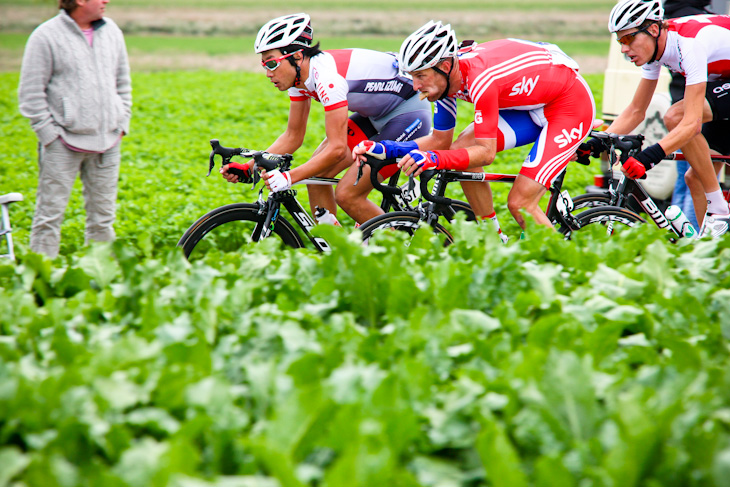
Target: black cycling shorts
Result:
[717, 132]
[718, 96]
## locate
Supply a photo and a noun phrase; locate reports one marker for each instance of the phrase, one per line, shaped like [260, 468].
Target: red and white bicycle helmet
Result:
[427, 46]
[284, 31]
[627, 14]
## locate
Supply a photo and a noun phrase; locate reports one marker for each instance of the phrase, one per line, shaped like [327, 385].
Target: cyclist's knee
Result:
[673, 117]
[346, 195]
[690, 178]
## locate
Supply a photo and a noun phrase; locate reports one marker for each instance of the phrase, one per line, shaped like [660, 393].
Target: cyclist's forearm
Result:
[435, 141]
[319, 163]
[286, 143]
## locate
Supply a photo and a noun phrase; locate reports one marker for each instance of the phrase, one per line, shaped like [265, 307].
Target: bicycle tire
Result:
[406, 221]
[591, 200]
[235, 218]
[456, 207]
[605, 215]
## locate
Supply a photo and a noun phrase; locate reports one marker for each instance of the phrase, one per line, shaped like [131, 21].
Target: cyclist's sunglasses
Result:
[627, 39]
[274, 63]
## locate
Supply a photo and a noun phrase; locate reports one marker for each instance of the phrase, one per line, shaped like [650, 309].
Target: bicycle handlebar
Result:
[261, 159]
[628, 145]
[375, 166]
[424, 178]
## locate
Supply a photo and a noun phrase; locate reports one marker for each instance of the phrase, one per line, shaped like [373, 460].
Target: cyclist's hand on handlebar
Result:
[385, 149]
[418, 161]
[370, 148]
[592, 147]
[276, 180]
[234, 172]
[633, 168]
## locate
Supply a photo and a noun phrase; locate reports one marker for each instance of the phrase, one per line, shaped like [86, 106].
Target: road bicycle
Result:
[560, 208]
[623, 190]
[233, 226]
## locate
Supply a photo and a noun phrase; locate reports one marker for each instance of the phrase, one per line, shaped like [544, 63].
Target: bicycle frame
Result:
[272, 205]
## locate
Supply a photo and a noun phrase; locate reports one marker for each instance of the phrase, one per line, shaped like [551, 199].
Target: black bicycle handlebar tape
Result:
[425, 177]
[375, 166]
[273, 161]
[628, 146]
[225, 152]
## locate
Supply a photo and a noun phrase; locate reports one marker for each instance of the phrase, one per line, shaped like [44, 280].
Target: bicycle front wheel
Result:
[457, 207]
[608, 216]
[230, 228]
[404, 221]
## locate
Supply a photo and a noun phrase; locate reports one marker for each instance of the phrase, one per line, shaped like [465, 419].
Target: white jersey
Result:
[698, 47]
[367, 82]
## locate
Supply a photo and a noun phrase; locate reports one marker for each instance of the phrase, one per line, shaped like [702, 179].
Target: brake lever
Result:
[411, 182]
[359, 173]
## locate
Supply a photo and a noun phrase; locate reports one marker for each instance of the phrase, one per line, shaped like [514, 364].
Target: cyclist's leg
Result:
[702, 175]
[323, 196]
[565, 123]
[715, 133]
[354, 199]
[408, 125]
[516, 128]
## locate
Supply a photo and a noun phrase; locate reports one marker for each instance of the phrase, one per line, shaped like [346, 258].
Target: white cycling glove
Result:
[279, 181]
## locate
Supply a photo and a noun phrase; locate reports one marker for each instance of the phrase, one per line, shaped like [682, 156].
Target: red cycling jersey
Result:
[514, 74]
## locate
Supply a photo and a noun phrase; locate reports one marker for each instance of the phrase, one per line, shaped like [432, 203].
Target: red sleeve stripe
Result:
[341, 104]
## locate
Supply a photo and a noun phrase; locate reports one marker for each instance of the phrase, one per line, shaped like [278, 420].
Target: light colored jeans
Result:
[58, 167]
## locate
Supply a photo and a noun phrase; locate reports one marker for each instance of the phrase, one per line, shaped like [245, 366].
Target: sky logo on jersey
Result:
[524, 86]
[393, 86]
[567, 137]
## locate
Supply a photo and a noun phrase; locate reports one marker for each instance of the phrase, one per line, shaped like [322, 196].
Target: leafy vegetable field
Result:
[595, 362]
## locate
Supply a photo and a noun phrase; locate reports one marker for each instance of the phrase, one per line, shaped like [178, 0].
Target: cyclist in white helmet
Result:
[503, 78]
[365, 82]
[698, 47]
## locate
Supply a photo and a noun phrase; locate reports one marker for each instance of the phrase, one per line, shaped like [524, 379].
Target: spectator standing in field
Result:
[76, 90]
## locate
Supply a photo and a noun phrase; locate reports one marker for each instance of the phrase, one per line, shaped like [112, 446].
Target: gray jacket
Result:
[73, 90]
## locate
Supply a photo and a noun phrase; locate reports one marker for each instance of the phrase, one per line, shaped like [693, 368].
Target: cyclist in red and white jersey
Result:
[508, 75]
[362, 81]
[698, 47]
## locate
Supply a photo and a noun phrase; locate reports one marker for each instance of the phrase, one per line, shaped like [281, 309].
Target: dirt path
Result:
[345, 22]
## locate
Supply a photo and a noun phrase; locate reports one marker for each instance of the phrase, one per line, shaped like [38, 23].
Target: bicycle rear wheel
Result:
[404, 221]
[230, 228]
[608, 216]
[591, 200]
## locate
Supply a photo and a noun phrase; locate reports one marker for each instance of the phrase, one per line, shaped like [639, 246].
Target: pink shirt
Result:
[89, 33]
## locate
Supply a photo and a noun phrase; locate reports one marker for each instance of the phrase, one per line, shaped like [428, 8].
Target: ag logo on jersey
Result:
[524, 86]
[478, 116]
[567, 137]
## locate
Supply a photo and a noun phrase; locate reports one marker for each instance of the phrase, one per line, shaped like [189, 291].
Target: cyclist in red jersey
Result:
[508, 74]
[698, 47]
[366, 82]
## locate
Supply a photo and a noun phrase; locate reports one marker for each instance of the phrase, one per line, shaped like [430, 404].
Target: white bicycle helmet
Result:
[284, 31]
[632, 13]
[427, 46]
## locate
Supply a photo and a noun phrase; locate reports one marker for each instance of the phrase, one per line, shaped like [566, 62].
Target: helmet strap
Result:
[445, 94]
[656, 44]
